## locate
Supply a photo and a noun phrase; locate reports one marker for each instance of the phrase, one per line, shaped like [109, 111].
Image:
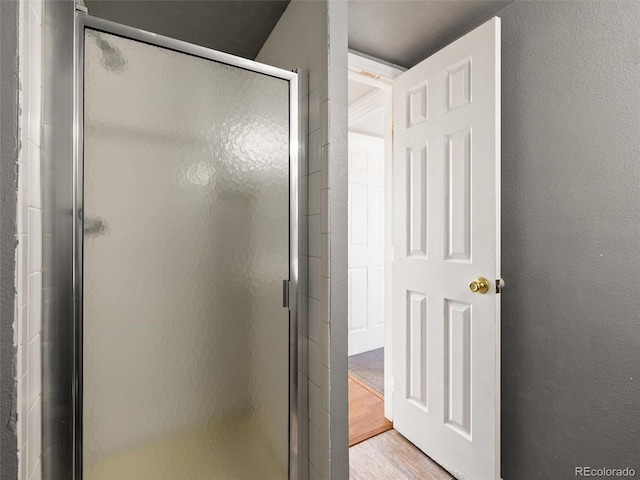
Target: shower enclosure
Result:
[183, 258]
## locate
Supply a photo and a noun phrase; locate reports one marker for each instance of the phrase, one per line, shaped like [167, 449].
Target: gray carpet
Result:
[369, 367]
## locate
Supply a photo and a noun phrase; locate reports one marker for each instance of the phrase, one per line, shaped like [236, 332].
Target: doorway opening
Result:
[369, 136]
[424, 217]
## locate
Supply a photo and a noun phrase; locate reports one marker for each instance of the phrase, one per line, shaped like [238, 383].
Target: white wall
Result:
[29, 250]
[301, 40]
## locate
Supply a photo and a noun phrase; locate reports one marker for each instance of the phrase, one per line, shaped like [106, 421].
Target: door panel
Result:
[446, 349]
[185, 341]
[366, 243]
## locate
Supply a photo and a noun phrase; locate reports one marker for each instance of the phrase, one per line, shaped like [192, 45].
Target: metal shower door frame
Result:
[83, 21]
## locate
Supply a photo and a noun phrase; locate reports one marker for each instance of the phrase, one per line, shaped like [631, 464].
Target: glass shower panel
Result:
[186, 244]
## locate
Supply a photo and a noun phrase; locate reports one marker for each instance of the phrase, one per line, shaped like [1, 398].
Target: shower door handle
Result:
[285, 293]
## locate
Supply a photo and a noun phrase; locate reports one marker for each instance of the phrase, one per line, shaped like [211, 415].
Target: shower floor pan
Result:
[230, 451]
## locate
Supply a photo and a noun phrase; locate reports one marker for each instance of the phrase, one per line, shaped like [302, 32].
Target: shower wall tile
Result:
[315, 405]
[299, 40]
[315, 324]
[325, 206]
[326, 405]
[34, 306]
[315, 151]
[34, 190]
[325, 299]
[304, 415]
[315, 248]
[23, 339]
[324, 112]
[34, 420]
[303, 195]
[315, 69]
[304, 367]
[35, 373]
[315, 110]
[315, 363]
[324, 34]
[314, 194]
[23, 33]
[35, 113]
[325, 245]
[37, 472]
[22, 207]
[324, 343]
[22, 270]
[325, 167]
[36, 5]
[314, 475]
[326, 441]
[303, 273]
[22, 463]
[29, 241]
[315, 278]
[35, 46]
[303, 227]
[35, 240]
[314, 449]
[23, 427]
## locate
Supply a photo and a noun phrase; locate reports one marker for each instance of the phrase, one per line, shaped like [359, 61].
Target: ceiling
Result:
[236, 27]
[404, 32]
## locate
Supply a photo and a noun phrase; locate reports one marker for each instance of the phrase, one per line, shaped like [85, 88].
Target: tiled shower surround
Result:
[29, 246]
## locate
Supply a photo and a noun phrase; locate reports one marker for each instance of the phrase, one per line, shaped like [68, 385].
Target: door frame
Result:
[380, 74]
[63, 237]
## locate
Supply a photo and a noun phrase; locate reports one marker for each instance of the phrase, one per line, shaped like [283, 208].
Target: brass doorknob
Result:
[479, 285]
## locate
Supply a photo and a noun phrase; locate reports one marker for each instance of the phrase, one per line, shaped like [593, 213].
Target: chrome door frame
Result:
[55, 468]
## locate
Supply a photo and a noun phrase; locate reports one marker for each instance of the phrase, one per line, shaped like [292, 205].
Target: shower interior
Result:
[185, 188]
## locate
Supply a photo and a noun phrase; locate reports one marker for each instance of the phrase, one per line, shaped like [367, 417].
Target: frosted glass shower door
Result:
[186, 244]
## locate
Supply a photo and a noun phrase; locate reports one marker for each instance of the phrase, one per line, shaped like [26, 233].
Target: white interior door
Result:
[366, 243]
[446, 339]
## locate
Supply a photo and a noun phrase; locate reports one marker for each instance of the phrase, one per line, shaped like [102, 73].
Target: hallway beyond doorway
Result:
[369, 367]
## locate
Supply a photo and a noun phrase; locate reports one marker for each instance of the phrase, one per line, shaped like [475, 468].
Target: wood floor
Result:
[390, 456]
[366, 412]
[376, 450]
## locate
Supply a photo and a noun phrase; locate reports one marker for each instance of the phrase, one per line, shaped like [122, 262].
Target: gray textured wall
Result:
[571, 237]
[8, 159]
